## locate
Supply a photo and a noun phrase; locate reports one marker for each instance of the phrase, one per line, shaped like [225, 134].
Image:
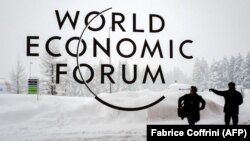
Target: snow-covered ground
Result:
[52, 118]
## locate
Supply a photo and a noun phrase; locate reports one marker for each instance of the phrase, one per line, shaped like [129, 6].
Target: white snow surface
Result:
[58, 118]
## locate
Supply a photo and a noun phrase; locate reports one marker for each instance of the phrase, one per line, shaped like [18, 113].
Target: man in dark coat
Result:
[190, 103]
[233, 99]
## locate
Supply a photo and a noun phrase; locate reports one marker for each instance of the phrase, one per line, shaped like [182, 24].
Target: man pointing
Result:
[233, 99]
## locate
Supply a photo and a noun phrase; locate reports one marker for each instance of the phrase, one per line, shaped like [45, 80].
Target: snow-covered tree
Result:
[8, 87]
[200, 74]
[76, 89]
[66, 87]
[225, 70]
[246, 72]
[196, 77]
[214, 81]
[221, 82]
[18, 79]
[231, 69]
[204, 68]
[238, 70]
[48, 65]
[221, 72]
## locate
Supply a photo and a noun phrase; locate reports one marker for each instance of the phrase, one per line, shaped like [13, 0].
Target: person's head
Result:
[231, 85]
[193, 90]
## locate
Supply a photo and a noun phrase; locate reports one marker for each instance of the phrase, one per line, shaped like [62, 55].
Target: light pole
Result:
[30, 69]
[110, 89]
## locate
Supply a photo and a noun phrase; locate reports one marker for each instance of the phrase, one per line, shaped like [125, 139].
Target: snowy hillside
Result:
[22, 117]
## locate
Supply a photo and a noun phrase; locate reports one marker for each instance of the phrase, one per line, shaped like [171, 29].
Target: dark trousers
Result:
[190, 120]
[228, 117]
[193, 118]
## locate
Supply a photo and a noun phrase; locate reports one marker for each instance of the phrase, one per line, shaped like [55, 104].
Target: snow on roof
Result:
[179, 86]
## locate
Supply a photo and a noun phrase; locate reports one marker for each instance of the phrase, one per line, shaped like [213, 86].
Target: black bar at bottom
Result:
[217, 132]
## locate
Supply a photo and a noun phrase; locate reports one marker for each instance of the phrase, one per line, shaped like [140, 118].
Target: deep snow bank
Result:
[58, 110]
[23, 118]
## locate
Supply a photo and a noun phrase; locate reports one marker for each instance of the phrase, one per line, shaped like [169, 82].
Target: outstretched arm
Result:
[220, 93]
